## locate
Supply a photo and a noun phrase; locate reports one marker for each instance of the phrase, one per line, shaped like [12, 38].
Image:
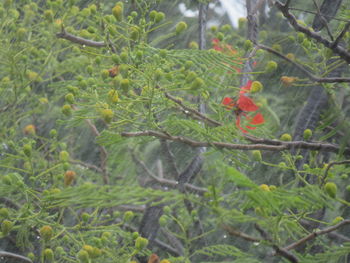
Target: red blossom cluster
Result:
[243, 105]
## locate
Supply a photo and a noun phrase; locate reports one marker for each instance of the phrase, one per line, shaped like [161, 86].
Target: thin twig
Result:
[167, 182]
[302, 69]
[280, 251]
[193, 111]
[343, 53]
[323, 20]
[329, 167]
[315, 13]
[79, 40]
[87, 165]
[233, 232]
[15, 256]
[281, 145]
[313, 235]
[341, 35]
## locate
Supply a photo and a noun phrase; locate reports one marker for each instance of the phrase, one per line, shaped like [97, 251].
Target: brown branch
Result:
[278, 146]
[317, 233]
[193, 111]
[233, 232]
[302, 69]
[315, 13]
[279, 251]
[329, 167]
[15, 256]
[343, 53]
[167, 182]
[87, 165]
[323, 20]
[79, 40]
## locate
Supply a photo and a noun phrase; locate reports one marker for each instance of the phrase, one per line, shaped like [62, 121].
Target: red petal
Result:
[246, 104]
[228, 102]
[246, 88]
[257, 119]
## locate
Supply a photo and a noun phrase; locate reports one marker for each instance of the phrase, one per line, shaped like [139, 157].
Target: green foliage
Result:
[81, 163]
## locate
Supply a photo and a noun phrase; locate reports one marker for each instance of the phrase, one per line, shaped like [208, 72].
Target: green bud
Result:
[180, 27]
[159, 17]
[197, 83]
[46, 233]
[104, 74]
[48, 14]
[128, 216]
[141, 243]
[27, 149]
[117, 11]
[64, 156]
[107, 115]
[307, 134]
[83, 256]
[4, 212]
[286, 137]
[116, 59]
[257, 155]
[256, 87]
[158, 74]
[331, 189]
[6, 227]
[135, 235]
[48, 255]
[152, 15]
[193, 45]
[271, 66]
[248, 45]
[31, 256]
[69, 98]
[125, 84]
[67, 110]
[163, 220]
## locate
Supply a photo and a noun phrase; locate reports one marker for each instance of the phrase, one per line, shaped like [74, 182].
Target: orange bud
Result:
[69, 177]
[113, 71]
[154, 259]
[288, 81]
[29, 129]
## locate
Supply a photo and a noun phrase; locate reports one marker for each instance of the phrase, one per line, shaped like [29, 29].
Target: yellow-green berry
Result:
[67, 110]
[264, 187]
[128, 216]
[64, 156]
[256, 86]
[180, 27]
[331, 189]
[27, 149]
[4, 212]
[48, 255]
[107, 115]
[271, 66]
[286, 137]
[307, 134]
[159, 17]
[83, 256]
[6, 227]
[46, 233]
[117, 12]
[69, 98]
[141, 243]
[257, 155]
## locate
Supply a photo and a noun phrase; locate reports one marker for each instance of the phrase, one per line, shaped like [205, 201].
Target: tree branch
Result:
[79, 40]
[280, 251]
[302, 69]
[193, 111]
[276, 145]
[317, 233]
[344, 54]
[167, 182]
[233, 232]
[15, 256]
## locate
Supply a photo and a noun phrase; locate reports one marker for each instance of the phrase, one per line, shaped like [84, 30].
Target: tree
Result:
[130, 133]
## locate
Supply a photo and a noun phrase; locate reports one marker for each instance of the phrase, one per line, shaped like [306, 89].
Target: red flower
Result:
[226, 49]
[241, 106]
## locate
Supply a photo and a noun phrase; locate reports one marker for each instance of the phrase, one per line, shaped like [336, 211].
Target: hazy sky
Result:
[233, 8]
